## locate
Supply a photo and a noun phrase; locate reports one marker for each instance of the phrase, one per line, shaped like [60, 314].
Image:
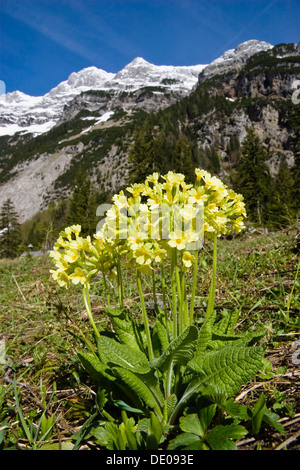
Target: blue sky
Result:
[43, 41]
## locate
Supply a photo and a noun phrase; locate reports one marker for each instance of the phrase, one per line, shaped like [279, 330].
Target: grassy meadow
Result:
[46, 397]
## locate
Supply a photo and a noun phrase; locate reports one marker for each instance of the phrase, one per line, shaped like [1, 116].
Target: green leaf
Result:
[94, 366]
[226, 370]
[162, 335]
[206, 413]
[191, 424]
[219, 438]
[258, 413]
[237, 410]
[192, 388]
[179, 351]
[144, 387]
[198, 423]
[4, 428]
[101, 399]
[124, 406]
[252, 337]
[205, 333]
[272, 419]
[186, 441]
[113, 312]
[113, 353]
[171, 403]
[128, 331]
[67, 445]
[155, 432]
[227, 324]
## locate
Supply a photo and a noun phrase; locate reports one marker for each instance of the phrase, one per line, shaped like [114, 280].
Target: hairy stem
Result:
[145, 317]
[195, 274]
[174, 299]
[87, 303]
[211, 298]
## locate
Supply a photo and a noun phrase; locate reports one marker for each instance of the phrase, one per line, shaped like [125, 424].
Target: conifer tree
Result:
[182, 159]
[145, 153]
[252, 179]
[10, 236]
[295, 172]
[83, 203]
[282, 204]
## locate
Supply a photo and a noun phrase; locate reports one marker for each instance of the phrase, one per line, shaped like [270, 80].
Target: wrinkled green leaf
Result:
[226, 370]
[113, 353]
[171, 403]
[94, 366]
[128, 331]
[144, 387]
[205, 334]
[179, 351]
[227, 324]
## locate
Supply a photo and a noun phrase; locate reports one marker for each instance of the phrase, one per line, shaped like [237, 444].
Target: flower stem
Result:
[87, 303]
[106, 289]
[120, 282]
[181, 305]
[194, 288]
[145, 317]
[185, 302]
[174, 299]
[211, 298]
[154, 288]
[163, 283]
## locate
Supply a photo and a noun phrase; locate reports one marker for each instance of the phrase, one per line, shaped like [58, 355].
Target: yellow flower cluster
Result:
[78, 259]
[161, 215]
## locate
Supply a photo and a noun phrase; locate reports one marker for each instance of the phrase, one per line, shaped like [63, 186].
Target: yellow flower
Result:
[173, 179]
[159, 254]
[73, 229]
[78, 276]
[136, 189]
[80, 244]
[238, 224]
[197, 196]
[135, 242]
[153, 178]
[61, 277]
[177, 240]
[188, 259]
[143, 254]
[202, 174]
[120, 201]
[71, 255]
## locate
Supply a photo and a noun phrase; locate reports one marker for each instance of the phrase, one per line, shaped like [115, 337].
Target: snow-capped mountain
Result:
[93, 117]
[29, 114]
[235, 57]
[38, 114]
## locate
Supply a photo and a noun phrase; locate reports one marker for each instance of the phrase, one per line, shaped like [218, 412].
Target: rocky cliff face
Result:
[259, 88]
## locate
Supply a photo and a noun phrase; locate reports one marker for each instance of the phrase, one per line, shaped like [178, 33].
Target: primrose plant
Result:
[156, 367]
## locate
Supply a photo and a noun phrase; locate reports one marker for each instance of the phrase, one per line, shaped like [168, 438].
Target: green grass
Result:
[41, 325]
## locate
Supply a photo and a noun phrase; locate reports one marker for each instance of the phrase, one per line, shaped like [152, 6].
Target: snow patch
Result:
[105, 117]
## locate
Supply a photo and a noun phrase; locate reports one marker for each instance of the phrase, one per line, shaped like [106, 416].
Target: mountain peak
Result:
[235, 57]
[138, 61]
